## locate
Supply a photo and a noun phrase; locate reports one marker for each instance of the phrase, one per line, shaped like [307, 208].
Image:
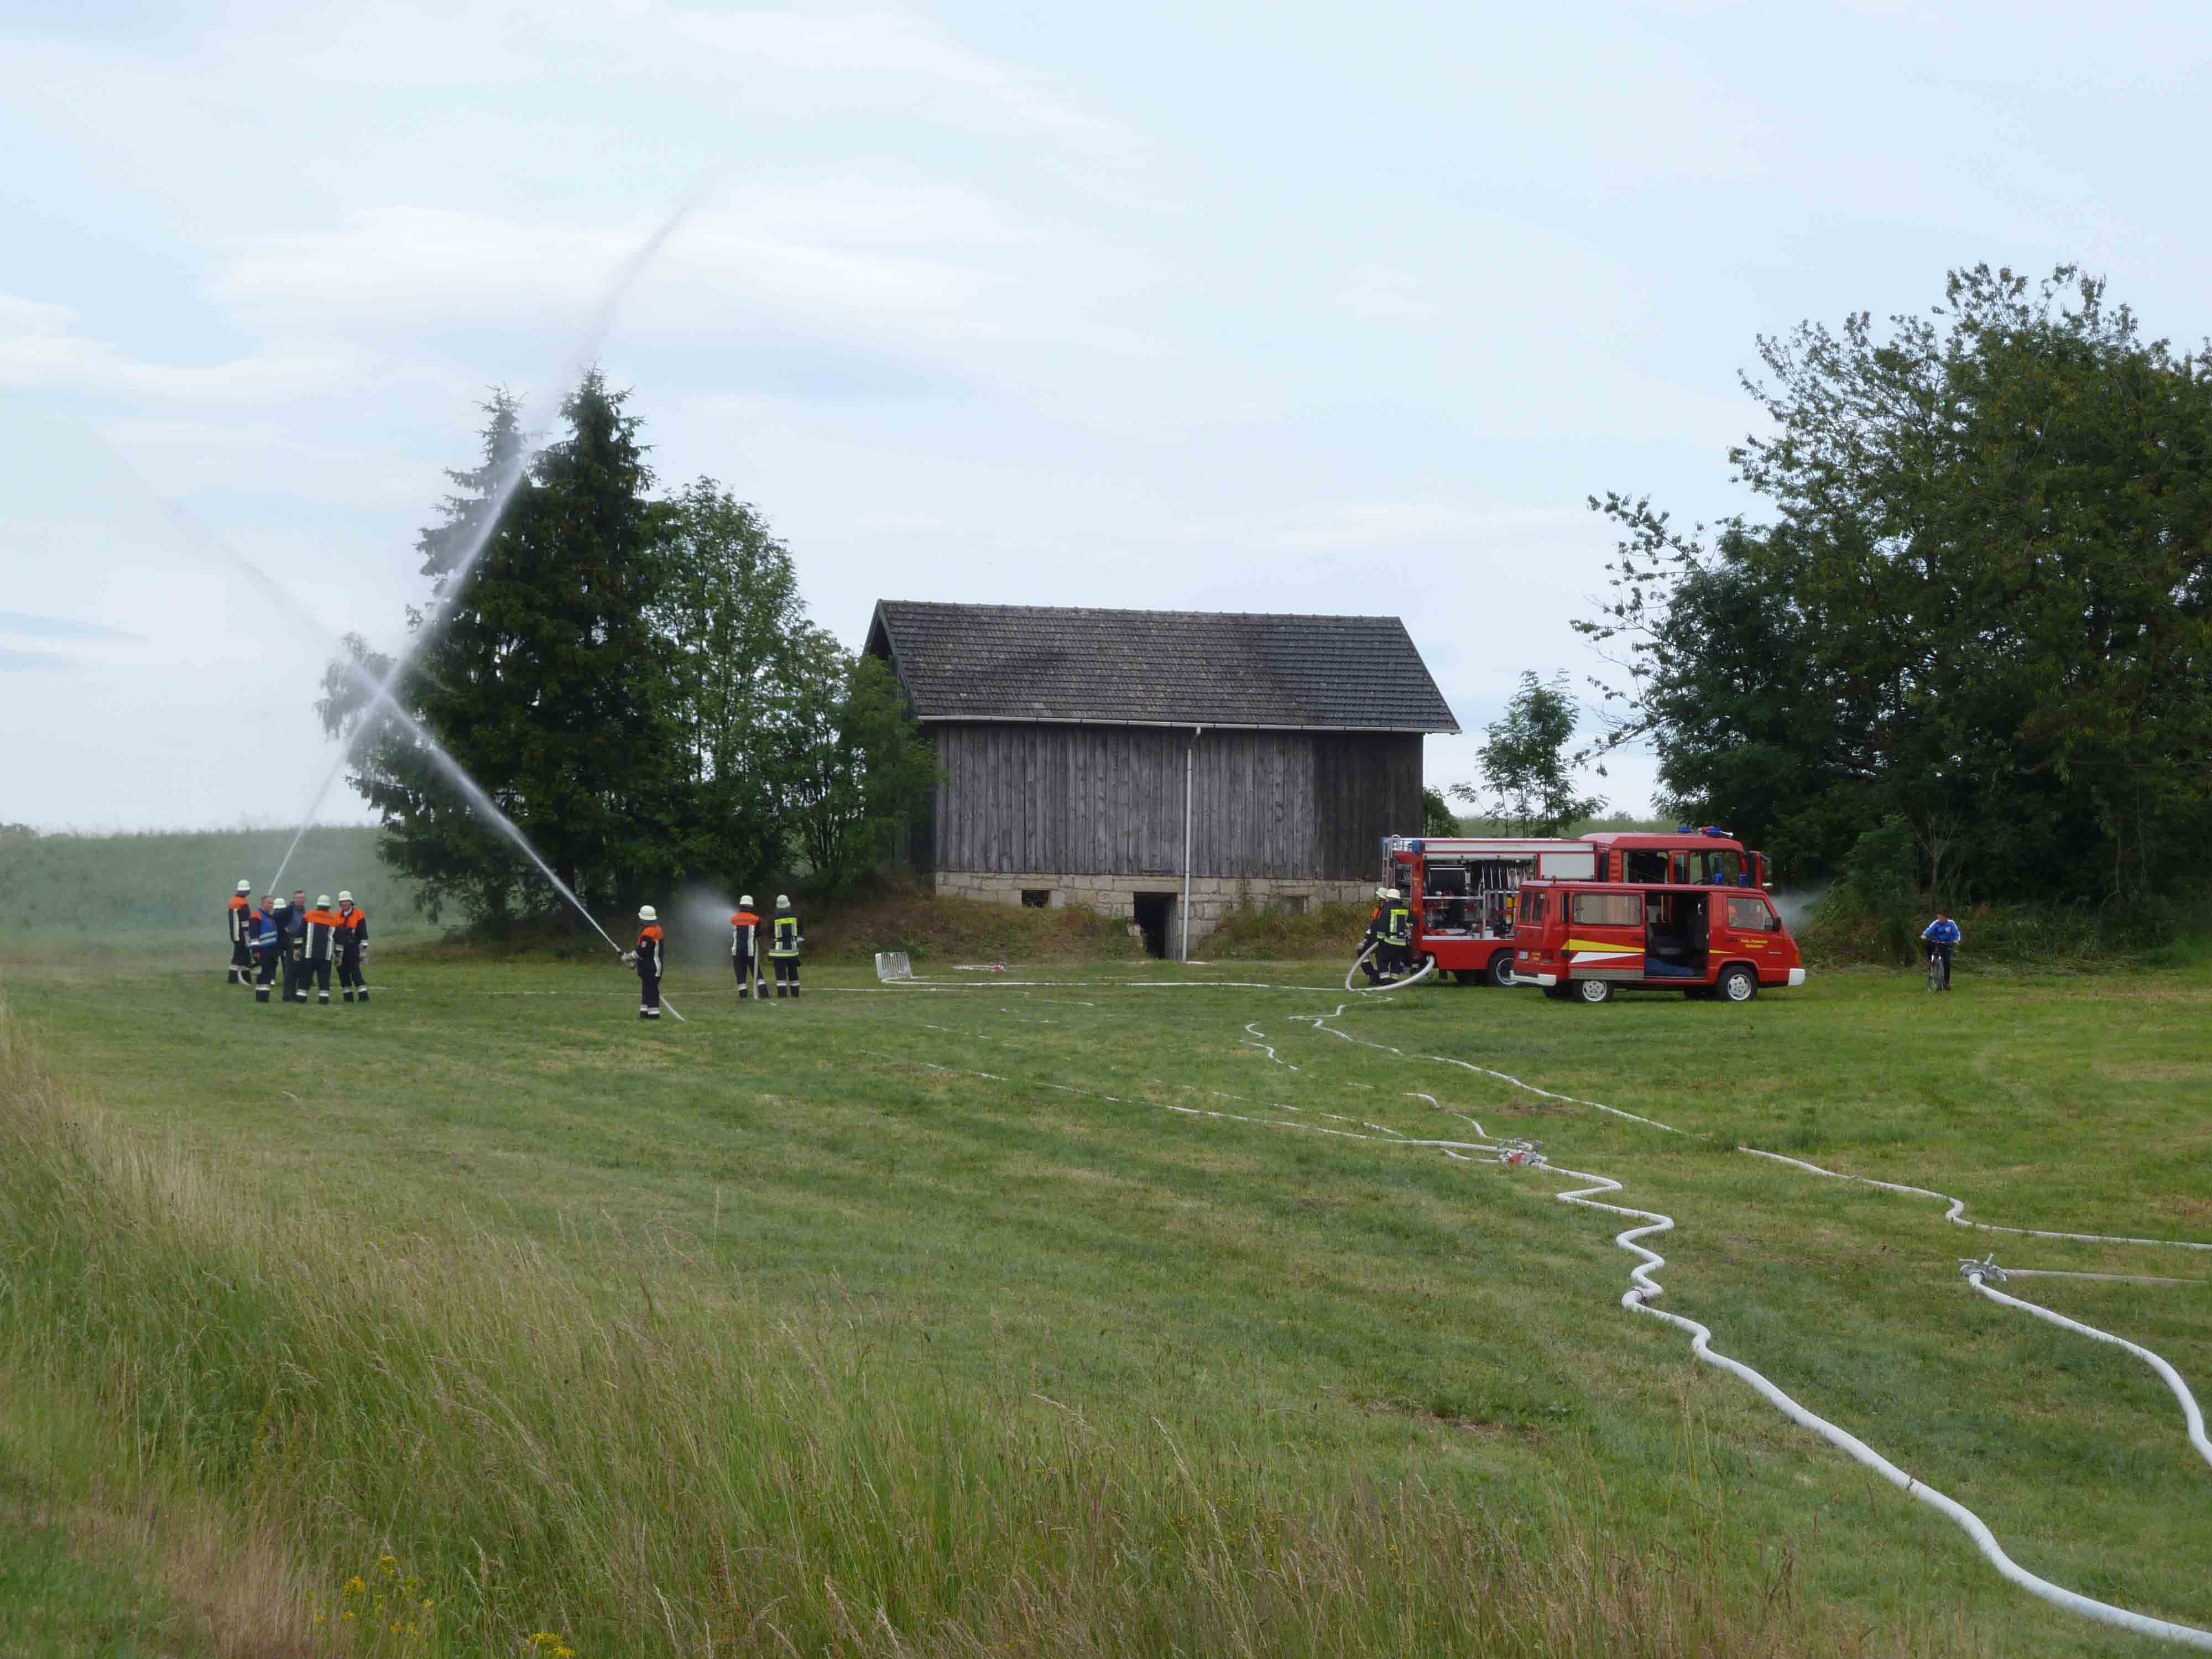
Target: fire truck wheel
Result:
[1593, 991]
[1501, 969]
[1737, 983]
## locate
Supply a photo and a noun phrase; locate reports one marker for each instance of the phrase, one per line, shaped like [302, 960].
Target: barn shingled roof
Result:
[1023, 662]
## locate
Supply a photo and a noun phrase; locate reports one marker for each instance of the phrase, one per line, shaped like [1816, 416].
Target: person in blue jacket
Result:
[267, 946]
[1941, 937]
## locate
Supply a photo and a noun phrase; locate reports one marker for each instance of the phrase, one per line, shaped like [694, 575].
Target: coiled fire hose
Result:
[1428, 967]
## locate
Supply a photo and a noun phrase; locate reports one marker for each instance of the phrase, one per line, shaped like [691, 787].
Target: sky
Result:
[1285, 308]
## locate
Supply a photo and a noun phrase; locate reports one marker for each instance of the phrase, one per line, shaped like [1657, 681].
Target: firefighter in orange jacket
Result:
[745, 953]
[240, 922]
[647, 959]
[353, 944]
[317, 944]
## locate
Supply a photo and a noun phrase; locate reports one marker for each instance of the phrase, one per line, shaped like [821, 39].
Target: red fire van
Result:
[1463, 888]
[1584, 940]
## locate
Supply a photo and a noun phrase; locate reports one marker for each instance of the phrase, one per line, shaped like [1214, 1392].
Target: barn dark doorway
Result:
[1155, 918]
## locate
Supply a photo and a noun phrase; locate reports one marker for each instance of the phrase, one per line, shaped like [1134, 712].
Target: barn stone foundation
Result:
[1212, 898]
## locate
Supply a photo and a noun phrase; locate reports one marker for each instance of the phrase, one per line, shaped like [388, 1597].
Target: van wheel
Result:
[1501, 969]
[1593, 991]
[1737, 983]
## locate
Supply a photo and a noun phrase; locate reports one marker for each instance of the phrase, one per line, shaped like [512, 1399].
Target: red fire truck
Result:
[1581, 940]
[1463, 889]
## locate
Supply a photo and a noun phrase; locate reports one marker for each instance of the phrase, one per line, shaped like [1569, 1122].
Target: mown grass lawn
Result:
[1105, 1197]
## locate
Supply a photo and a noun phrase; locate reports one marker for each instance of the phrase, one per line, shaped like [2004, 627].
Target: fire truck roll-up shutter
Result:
[1569, 865]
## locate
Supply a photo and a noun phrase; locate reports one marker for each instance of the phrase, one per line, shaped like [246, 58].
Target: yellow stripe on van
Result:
[1605, 946]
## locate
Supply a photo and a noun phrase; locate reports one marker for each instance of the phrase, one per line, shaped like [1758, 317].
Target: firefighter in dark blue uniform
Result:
[783, 943]
[267, 946]
[239, 920]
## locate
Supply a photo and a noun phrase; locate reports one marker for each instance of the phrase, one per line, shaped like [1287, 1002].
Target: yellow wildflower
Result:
[354, 1586]
[388, 1566]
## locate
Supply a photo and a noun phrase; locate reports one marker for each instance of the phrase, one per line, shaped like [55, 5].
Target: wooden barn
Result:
[1161, 765]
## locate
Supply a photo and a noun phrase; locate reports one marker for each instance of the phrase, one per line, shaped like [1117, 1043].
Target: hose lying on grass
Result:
[1644, 1290]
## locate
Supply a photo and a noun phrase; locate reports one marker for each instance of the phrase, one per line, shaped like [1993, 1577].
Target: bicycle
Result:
[1939, 971]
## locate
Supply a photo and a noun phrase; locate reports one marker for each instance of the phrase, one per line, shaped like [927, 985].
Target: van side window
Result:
[1607, 909]
[1752, 916]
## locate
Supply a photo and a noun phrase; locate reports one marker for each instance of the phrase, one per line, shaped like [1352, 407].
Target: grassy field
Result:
[1062, 1318]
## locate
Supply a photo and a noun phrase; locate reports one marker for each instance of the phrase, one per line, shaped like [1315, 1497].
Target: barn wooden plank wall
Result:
[1109, 801]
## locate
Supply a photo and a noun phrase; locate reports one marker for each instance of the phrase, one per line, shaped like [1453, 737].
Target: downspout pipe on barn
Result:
[1189, 767]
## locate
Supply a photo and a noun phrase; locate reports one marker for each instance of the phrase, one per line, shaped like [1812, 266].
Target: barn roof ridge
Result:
[1100, 665]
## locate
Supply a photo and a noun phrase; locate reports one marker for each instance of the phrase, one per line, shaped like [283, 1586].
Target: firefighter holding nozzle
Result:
[648, 960]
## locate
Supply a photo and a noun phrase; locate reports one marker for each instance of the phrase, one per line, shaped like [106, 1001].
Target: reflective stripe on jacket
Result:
[648, 953]
[784, 940]
[241, 919]
[1398, 926]
[744, 933]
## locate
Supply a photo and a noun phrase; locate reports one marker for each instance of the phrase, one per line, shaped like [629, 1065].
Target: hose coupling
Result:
[1986, 1270]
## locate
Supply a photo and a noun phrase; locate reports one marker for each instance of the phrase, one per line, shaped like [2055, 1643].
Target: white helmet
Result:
[1393, 893]
[647, 913]
[782, 901]
[1381, 892]
[745, 901]
[345, 898]
[322, 901]
[245, 887]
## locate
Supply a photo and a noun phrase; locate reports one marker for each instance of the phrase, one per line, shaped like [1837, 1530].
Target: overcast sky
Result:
[1270, 307]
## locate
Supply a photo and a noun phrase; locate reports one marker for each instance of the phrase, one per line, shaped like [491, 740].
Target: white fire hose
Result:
[1644, 1290]
[1428, 967]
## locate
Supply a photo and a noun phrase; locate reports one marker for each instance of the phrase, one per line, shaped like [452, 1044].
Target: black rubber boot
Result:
[261, 993]
[364, 996]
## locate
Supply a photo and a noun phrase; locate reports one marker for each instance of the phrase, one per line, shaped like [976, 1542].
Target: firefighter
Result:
[1370, 943]
[267, 946]
[1390, 931]
[282, 914]
[648, 960]
[239, 919]
[352, 945]
[745, 952]
[783, 947]
[1397, 952]
[318, 938]
[295, 947]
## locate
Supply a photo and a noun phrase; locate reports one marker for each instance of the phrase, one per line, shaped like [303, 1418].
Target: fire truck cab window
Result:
[1752, 916]
[1532, 905]
[1646, 866]
[1607, 909]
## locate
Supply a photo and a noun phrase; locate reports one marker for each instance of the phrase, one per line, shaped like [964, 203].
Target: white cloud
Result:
[39, 352]
[875, 44]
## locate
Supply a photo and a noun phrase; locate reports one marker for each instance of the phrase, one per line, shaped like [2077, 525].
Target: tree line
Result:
[633, 679]
[1970, 643]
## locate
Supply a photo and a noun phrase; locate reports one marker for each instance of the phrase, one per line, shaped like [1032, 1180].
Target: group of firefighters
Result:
[298, 944]
[750, 954]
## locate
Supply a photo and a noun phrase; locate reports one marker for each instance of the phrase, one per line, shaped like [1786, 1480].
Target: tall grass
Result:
[1845, 926]
[503, 1445]
[172, 885]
